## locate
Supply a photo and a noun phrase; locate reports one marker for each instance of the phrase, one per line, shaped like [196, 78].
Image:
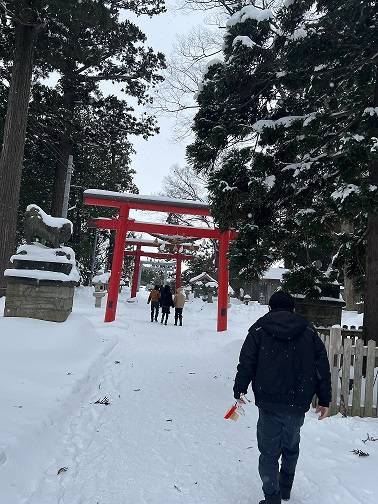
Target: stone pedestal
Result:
[98, 295]
[320, 312]
[43, 300]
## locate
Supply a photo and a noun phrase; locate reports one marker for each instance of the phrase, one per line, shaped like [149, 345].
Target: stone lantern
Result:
[187, 291]
[99, 292]
[100, 283]
[246, 299]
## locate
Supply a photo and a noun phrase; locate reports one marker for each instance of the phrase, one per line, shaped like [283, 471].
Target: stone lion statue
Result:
[45, 228]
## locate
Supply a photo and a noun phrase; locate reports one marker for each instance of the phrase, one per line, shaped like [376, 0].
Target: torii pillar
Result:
[223, 280]
[178, 272]
[117, 264]
[137, 270]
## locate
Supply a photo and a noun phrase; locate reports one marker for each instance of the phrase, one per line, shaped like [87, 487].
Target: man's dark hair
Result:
[282, 301]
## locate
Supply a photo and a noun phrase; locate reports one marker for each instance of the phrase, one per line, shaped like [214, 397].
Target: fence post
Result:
[357, 377]
[334, 348]
[347, 354]
[369, 380]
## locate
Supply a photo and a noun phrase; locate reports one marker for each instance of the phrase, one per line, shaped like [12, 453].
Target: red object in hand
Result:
[231, 414]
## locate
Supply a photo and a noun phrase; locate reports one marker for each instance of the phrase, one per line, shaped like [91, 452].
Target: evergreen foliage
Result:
[287, 131]
[83, 45]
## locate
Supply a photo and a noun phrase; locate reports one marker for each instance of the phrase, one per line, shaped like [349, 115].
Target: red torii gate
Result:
[123, 224]
[139, 253]
[178, 256]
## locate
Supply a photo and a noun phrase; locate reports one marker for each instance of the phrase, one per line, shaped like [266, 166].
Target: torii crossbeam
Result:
[124, 202]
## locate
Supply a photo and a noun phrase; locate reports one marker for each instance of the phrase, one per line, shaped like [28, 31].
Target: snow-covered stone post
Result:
[41, 283]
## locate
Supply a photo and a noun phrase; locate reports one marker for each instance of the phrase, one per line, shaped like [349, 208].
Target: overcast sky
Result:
[155, 156]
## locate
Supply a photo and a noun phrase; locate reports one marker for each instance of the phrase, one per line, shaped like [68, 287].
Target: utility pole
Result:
[67, 187]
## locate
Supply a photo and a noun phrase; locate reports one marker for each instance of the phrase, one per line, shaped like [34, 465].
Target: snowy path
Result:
[159, 438]
[163, 438]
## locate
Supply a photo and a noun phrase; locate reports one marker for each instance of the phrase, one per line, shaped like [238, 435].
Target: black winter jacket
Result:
[286, 362]
[166, 298]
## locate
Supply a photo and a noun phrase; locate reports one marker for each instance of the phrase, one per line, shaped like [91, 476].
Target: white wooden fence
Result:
[353, 374]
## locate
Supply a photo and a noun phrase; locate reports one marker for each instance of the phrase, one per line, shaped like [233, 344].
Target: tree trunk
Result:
[351, 295]
[12, 152]
[65, 147]
[371, 284]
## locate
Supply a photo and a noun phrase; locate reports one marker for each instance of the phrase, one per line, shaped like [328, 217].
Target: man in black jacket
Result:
[286, 362]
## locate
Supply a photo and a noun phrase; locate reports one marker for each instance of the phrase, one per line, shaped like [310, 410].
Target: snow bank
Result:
[162, 439]
[45, 368]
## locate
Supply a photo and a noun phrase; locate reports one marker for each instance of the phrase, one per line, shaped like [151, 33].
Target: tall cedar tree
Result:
[287, 129]
[26, 25]
[87, 44]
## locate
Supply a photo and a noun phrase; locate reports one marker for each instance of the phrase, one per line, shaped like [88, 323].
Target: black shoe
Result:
[285, 494]
[269, 501]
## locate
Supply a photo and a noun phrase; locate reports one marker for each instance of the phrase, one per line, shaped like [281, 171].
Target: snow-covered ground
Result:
[162, 438]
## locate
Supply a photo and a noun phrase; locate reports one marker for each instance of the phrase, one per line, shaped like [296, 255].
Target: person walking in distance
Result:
[166, 303]
[286, 362]
[154, 299]
[179, 302]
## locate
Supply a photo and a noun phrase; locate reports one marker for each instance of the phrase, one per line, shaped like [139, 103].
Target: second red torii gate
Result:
[123, 224]
[178, 256]
[139, 253]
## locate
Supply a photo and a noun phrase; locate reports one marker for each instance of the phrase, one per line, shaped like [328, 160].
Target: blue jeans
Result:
[278, 436]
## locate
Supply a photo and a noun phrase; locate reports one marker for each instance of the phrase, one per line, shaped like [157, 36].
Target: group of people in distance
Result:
[161, 296]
